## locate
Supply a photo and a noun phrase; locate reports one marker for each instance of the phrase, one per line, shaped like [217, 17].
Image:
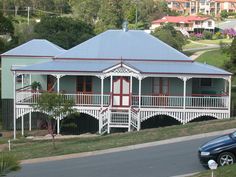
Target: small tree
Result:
[8, 163]
[231, 64]
[56, 106]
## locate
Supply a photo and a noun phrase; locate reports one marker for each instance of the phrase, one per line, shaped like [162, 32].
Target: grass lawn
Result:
[216, 41]
[227, 171]
[26, 149]
[191, 45]
[214, 57]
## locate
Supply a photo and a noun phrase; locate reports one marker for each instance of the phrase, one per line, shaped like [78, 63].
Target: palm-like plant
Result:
[8, 163]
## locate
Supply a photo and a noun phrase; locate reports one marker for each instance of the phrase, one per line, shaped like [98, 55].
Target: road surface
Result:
[158, 161]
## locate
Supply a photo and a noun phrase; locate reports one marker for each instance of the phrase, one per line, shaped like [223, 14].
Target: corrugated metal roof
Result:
[152, 67]
[117, 44]
[35, 47]
[176, 67]
[69, 66]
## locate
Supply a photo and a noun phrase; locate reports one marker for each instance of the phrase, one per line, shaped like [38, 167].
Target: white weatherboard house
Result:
[120, 77]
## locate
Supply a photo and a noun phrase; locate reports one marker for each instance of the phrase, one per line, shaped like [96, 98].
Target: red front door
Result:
[121, 92]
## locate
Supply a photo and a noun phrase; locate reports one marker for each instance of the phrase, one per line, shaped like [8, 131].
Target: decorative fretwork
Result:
[121, 70]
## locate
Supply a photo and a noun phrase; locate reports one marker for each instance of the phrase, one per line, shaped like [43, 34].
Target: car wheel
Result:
[226, 158]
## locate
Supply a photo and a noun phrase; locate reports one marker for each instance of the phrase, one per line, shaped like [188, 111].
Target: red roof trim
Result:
[27, 56]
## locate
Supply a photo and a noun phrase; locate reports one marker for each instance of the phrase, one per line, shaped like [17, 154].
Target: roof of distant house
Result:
[180, 19]
[36, 48]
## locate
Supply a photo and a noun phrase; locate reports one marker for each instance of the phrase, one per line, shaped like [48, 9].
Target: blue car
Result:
[221, 149]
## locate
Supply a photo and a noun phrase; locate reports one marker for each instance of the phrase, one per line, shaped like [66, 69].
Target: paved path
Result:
[158, 159]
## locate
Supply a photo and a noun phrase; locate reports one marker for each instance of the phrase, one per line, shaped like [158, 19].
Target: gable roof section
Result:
[130, 45]
[36, 48]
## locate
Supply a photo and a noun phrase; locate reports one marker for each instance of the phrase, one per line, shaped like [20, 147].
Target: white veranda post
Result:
[109, 117]
[30, 82]
[58, 91]
[229, 79]
[139, 102]
[14, 104]
[100, 118]
[22, 117]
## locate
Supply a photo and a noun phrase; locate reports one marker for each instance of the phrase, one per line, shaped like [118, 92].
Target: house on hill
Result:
[121, 78]
[186, 24]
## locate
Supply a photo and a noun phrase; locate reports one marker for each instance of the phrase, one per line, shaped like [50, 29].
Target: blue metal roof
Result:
[69, 66]
[35, 47]
[152, 67]
[117, 44]
[176, 67]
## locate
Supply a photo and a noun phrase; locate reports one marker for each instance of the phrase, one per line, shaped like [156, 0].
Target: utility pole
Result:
[136, 14]
[28, 10]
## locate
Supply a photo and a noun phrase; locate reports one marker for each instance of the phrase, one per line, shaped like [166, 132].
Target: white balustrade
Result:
[158, 101]
[207, 102]
[28, 97]
[149, 101]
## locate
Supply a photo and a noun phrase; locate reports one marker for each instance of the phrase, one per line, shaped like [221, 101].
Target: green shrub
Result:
[224, 47]
[207, 34]
[224, 14]
[218, 35]
[8, 163]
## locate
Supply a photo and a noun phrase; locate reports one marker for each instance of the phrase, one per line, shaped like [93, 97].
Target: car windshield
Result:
[234, 135]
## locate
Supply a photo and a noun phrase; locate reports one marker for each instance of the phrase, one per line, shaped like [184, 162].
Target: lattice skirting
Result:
[21, 111]
[183, 117]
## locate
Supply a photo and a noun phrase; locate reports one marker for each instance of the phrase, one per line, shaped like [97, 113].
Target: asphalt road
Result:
[231, 23]
[159, 161]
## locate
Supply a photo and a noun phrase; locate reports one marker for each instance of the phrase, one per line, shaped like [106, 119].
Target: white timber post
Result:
[22, 81]
[58, 91]
[22, 125]
[109, 115]
[30, 122]
[139, 102]
[229, 94]
[111, 89]
[102, 85]
[14, 104]
[139, 92]
[129, 128]
[184, 121]
[100, 116]
[131, 89]
[184, 93]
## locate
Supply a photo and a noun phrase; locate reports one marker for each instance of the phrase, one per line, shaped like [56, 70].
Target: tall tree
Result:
[86, 10]
[110, 15]
[63, 31]
[170, 35]
[6, 26]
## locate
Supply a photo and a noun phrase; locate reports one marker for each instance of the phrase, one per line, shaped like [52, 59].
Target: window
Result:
[84, 84]
[206, 82]
[160, 86]
[197, 23]
[209, 23]
[19, 78]
[187, 4]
